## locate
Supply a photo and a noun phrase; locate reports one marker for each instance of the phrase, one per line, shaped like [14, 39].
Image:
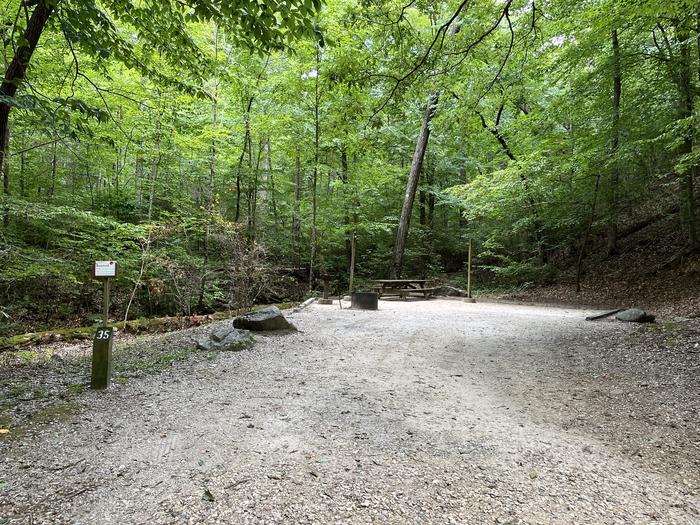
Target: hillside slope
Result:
[647, 273]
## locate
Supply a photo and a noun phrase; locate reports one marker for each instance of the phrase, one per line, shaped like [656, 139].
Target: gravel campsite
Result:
[421, 412]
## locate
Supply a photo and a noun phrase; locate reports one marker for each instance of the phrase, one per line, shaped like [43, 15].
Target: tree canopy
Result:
[229, 151]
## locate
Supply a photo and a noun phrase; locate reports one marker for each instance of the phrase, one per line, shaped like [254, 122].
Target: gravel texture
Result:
[422, 412]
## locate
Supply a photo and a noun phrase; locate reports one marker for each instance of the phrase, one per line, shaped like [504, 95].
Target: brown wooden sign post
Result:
[353, 249]
[469, 298]
[469, 270]
[102, 343]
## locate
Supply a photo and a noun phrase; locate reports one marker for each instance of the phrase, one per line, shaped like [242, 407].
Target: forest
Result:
[231, 152]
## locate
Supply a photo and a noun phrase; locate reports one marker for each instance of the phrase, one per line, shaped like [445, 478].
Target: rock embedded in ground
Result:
[265, 320]
[635, 315]
[451, 291]
[225, 339]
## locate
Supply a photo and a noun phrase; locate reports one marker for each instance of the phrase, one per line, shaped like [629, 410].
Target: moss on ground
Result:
[54, 412]
[149, 362]
[76, 388]
[136, 326]
[143, 355]
[51, 413]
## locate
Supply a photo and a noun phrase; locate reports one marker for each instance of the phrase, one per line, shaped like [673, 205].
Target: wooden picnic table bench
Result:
[402, 287]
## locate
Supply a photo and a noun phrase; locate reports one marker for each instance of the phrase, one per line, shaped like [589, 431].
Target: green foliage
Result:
[182, 139]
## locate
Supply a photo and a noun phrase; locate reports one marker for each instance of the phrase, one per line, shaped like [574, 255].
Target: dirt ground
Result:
[423, 412]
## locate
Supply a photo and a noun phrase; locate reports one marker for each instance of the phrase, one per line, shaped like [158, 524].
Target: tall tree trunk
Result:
[211, 190]
[238, 194]
[253, 195]
[429, 176]
[296, 208]
[22, 187]
[687, 92]
[54, 160]
[271, 180]
[15, 74]
[346, 212]
[412, 185]
[5, 145]
[314, 177]
[5, 168]
[615, 143]
[246, 142]
[115, 168]
[146, 246]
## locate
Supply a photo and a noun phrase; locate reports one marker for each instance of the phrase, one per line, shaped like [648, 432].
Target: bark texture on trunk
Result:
[314, 176]
[14, 75]
[253, 196]
[346, 212]
[412, 185]
[296, 220]
[245, 149]
[271, 180]
[686, 95]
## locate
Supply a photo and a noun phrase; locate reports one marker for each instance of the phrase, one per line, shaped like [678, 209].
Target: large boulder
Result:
[265, 320]
[225, 339]
[635, 315]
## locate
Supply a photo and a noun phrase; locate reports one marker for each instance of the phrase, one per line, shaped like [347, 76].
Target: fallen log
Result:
[634, 228]
[603, 316]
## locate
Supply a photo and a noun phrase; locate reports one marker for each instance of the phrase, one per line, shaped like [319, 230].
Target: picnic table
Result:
[402, 287]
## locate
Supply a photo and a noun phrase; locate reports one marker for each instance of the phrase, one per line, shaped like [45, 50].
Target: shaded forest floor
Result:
[646, 273]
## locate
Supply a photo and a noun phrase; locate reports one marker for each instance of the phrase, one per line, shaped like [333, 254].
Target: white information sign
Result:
[105, 268]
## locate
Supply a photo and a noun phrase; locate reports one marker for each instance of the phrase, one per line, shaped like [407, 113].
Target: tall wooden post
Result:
[469, 270]
[105, 302]
[353, 249]
[102, 358]
[102, 343]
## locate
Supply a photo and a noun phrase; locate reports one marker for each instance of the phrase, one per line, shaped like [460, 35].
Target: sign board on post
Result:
[104, 269]
[102, 344]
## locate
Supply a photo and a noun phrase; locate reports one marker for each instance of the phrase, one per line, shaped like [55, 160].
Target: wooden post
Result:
[352, 262]
[469, 270]
[102, 358]
[105, 302]
[102, 343]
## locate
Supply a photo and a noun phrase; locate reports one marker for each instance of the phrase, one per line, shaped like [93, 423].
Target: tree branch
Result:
[439, 36]
[36, 146]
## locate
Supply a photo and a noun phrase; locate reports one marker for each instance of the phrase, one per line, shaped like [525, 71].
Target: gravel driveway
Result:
[423, 412]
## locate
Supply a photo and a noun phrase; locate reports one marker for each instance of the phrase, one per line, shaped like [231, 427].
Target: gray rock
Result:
[450, 291]
[635, 315]
[225, 339]
[220, 333]
[268, 319]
